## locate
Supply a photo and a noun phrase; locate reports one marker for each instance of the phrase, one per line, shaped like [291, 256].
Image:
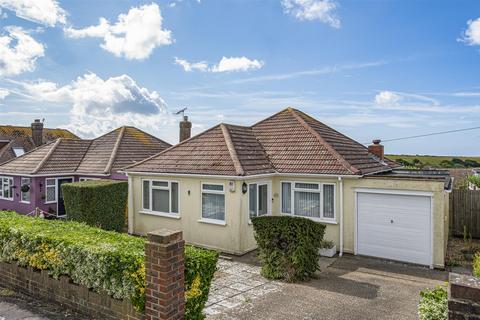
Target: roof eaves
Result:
[114, 151]
[231, 149]
[342, 160]
[47, 156]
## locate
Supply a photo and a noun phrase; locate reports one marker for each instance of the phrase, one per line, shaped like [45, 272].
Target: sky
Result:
[370, 69]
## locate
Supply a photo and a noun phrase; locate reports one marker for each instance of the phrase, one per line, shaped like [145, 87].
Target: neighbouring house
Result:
[209, 186]
[16, 140]
[33, 180]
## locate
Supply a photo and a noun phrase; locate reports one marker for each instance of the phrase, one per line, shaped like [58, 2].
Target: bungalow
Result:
[209, 186]
[33, 180]
[16, 140]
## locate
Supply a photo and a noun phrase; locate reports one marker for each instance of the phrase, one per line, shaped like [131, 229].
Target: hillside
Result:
[421, 161]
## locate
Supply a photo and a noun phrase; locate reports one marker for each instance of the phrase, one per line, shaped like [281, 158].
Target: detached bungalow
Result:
[209, 186]
[34, 180]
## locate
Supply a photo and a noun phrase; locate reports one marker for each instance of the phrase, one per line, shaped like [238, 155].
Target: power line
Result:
[428, 134]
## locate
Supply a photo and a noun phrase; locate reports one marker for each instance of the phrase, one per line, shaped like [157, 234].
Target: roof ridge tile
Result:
[47, 156]
[231, 149]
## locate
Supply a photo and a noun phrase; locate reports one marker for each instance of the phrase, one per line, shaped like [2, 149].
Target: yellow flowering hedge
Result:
[98, 259]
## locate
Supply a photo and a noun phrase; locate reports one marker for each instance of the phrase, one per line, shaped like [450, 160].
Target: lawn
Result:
[437, 161]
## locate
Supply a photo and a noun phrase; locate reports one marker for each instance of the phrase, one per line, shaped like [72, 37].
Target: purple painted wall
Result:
[37, 193]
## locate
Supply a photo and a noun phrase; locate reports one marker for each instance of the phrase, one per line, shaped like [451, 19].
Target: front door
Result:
[61, 204]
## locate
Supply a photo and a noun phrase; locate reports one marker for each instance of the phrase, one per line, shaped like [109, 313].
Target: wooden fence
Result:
[465, 212]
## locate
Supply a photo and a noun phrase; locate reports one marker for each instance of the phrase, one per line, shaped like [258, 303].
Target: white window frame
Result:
[10, 184]
[81, 179]
[55, 186]
[269, 197]
[213, 221]
[169, 214]
[320, 190]
[29, 191]
[22, 151]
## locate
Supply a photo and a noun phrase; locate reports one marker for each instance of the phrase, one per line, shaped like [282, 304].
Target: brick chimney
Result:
[185, 128]
[37, 132]
[377, 149]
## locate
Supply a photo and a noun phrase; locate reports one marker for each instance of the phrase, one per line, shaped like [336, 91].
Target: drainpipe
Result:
[130, 204]
[341, 217]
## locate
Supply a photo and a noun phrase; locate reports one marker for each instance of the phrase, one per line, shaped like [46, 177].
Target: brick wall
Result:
[463, 297]
[165, 298]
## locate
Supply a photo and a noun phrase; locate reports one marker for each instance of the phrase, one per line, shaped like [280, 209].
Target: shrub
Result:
[288, 246]
[476, 264]
[99, 203]
[433, 304]
[98, 259]
[474, 179]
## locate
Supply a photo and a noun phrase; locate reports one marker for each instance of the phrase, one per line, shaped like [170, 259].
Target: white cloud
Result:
[471, 36]
[191, 66]
[232, 64]
[321, 10]
[18, 51]
[100, 105]
[46, 12]
[3, 93]
[387, 98]
[134, 36]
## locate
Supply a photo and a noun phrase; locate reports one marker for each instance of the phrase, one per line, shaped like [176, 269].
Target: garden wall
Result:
[464, 297]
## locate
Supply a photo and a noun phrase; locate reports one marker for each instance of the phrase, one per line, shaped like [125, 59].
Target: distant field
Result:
[434, 161]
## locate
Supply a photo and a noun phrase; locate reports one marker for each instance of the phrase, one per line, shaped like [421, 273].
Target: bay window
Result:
[307, 199]
[6, 188]
[213, 202]
[160, 197]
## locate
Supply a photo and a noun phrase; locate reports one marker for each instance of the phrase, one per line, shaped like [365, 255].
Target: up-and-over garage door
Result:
[394, 226]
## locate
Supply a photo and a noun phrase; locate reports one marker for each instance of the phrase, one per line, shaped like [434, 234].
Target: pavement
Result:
[350, 287]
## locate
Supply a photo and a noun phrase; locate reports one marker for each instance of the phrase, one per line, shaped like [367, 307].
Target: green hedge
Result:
[98, 259]
[476, 264]
[99, 203]
[288, 246]
[433, 304]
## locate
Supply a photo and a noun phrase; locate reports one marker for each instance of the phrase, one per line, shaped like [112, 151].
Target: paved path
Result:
[351, 288]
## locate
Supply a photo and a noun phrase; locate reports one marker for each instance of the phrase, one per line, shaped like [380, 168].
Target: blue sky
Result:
[370, 69]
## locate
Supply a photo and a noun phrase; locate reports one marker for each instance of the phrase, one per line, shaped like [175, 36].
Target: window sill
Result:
[326, 221]
[6, 199]
[160, 214]
[25, 202]
[211, 221]
[50, 202]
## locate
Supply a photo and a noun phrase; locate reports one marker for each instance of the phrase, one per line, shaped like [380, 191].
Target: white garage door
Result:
[394, 226]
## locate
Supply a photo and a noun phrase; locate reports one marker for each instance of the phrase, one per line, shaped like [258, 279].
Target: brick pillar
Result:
[164, 267]
[463, 297]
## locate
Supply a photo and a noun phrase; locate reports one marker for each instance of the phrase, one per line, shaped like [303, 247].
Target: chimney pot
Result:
[377, 149]
[185, 129]
[37, 132]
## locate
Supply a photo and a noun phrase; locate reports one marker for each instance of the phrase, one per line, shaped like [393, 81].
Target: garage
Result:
[395, 225]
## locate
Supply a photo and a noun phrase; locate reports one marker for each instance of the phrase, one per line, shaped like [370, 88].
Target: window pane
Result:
[6, 190]
[160, 184]
[174, 197]
[286, 197]
[262, 199]
[313, 186]
[160, 200]
[50, 182]
[50, 194]
[213, 187]
[307, 204]
[252, 200]
[146, 194]
[25, 195]
[328, 201]
[213, 206]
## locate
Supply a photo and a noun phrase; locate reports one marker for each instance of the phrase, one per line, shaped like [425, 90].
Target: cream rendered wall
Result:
[236, 236]
[439, 204]
[221, 237]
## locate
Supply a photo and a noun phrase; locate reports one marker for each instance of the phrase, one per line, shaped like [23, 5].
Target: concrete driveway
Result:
[350, 288]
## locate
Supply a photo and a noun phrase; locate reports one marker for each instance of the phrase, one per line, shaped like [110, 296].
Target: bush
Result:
[476, 264]
[98, 259]
[99, 203]
[288, 246]
[433, 304]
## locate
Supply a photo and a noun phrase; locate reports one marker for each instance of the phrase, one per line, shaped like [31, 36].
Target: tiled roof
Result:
[21, 137]
[287, 142]
[103, 155]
